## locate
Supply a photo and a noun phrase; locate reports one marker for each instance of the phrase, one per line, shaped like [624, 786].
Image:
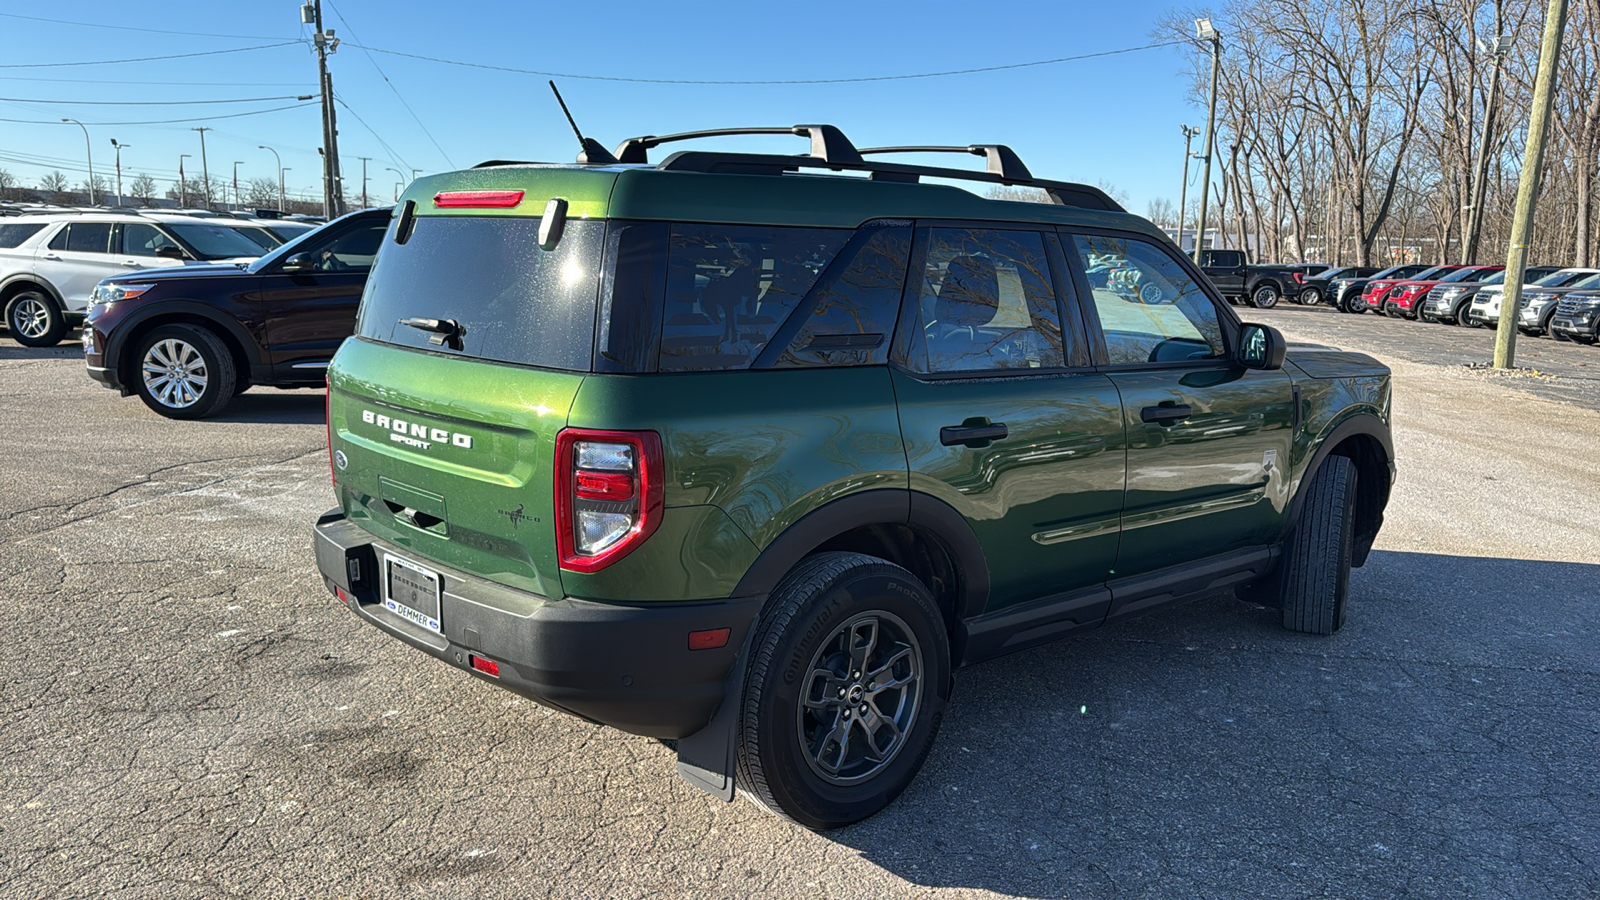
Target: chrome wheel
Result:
[175, 373]
[30, 318]
[860, 698]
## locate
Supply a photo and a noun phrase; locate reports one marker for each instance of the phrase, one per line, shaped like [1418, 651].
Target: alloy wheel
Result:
[30, 317]
[175, 373]
[860, 698]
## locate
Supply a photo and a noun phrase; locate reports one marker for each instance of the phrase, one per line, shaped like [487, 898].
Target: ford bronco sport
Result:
[735, 452]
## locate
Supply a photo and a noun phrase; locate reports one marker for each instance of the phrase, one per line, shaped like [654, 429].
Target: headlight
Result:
[111, 292]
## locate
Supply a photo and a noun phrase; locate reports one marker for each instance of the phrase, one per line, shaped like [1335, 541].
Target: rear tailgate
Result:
[451, 459]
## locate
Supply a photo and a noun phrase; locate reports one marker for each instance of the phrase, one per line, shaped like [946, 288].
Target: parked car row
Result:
[1563, 303]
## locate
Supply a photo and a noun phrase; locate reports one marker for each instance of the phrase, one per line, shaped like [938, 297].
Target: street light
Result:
[205, 170]
[1209, 33]
[397, 186]
[1189, 132]
[183, 182]
[281, 170]
[89, 150]
[403, 181]
[119, 149]
[236, 201]
[1497, 50]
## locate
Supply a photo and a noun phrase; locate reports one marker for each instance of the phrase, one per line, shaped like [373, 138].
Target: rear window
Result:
[15, 233]
[1224, 259]
[517, 303]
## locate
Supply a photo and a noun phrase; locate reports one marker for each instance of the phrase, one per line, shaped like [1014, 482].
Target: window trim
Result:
[1079, 357]
[1226, 318]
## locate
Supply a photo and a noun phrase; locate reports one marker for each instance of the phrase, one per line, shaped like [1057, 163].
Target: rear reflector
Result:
[343, 597]
[477, 199]
[710, 639]
[492, 669]
[604, 485]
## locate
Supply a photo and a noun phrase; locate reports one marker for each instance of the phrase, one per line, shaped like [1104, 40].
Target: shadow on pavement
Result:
[267, 406]
[1442, 743]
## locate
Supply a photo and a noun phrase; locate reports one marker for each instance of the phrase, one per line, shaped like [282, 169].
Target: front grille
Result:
[1569, 308]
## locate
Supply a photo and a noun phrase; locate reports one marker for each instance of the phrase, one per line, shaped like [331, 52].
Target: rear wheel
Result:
[35, 320]
[185, 372]
[1265, 296]
[1310, 297]
[1316, 581]
[848, 680]
[1352, 303]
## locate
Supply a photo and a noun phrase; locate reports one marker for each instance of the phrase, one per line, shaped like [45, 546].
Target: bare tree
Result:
[143, 188]
[55, 183]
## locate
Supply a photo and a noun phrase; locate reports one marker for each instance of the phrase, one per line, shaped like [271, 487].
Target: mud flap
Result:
[706, 758]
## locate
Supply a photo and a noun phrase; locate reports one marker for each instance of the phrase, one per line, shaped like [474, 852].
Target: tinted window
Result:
[517, 302]
[1149, 308]
[854, 305]
[1587, 282]
[287, 232]
[1553, 279]
[14, 234]
[729, 287]
[984, 302]
[214, 241]
[261, 237]
[352, 250]
[1225, 259]
[140, 239]
[89, 237]
[1468, 276]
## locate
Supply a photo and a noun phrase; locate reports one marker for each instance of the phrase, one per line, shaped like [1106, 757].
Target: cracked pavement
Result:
[187, 713]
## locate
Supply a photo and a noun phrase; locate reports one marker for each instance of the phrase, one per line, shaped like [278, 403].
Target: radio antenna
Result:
[590, 151]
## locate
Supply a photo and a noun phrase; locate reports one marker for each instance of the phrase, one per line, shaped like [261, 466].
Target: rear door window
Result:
[514, 301]
[140, 239]
[88, 237]
[729, 288]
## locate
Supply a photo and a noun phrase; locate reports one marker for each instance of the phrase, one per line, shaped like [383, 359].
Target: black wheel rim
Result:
[860, 699]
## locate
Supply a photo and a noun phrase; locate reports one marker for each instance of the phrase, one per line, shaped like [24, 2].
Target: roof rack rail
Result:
[1001, 160]
[828, 143]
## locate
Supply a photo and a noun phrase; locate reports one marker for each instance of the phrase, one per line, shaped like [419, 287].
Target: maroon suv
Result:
[1404, 300]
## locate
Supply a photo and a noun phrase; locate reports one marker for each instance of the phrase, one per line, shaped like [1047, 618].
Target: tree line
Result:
[142, 190]
[1348, 131]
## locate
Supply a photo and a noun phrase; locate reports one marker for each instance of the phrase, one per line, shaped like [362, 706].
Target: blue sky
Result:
[1111, 120]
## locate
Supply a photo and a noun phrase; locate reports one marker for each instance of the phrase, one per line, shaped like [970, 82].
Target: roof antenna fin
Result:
[590, 151]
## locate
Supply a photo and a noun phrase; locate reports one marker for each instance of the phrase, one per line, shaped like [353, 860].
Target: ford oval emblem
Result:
[340, 460]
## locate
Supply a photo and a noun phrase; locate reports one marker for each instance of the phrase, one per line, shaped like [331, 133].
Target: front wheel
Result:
[185, 372]
[1352, 304]
[1310, 297]
[35, 320]
[1265, 296]
[848, 680]
[1316, 580]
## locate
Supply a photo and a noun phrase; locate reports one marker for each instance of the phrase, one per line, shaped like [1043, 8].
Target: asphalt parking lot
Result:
[188, 713]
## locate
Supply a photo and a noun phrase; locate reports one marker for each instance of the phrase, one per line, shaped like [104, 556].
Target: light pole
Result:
[414, 174]
[1498, 50]
[364, 161]
[1208, 32]
[279, 160]
[205, 170]
[119, 149]
[1189, 131]
[237, 203]
[403, 181]
[397, 186]
[89, 150]
[183, 182]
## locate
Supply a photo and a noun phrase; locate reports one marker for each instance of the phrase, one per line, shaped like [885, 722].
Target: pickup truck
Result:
[1261, 286]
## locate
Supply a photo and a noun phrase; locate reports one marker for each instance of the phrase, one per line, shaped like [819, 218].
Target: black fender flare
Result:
[31, 278]
[116, 340]
[1259, 280]
[1363, 423]
[884, 506]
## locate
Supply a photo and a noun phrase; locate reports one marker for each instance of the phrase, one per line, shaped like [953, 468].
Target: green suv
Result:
[750, 452]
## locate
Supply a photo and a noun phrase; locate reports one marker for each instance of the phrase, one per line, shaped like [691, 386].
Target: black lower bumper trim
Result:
[623, 665]
[106, 376]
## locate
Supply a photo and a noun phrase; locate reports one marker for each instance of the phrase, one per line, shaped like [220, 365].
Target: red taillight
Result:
[1299, 278]
[609, 490]
[487, 667]
[709, 639]
[327, 416]
[477, 199]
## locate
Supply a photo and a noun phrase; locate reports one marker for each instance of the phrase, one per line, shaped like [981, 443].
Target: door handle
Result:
[1166, 413]
[973, 433]
[133, 264]
[51, 256]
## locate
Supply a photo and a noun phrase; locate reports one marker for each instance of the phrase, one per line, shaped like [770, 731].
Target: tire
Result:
[1464, 314]
[35, 320]
[1316, 581]
[1556, 337]
[1310, 297]
[1265, 296]
[1352, 304]
[788, 758]
[184, 372]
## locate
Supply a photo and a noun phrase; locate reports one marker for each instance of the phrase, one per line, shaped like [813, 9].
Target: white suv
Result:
[50, 263]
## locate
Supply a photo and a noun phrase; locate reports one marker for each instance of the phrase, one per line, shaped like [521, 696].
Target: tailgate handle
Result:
[413, 516]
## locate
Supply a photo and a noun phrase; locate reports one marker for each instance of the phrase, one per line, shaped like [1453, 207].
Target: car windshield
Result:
[288, 232]
[1468, 275]
[260, 237]
[1590, 282]
[1564, 279]
[1397, 272]
[214, 241]
[295, 245]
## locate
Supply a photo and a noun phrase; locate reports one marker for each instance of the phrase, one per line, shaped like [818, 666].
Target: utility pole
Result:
[205, 170]
[364, 161]
[1208, 32]
[1189, 133]
[183, 182]
[237, 202]
[119, 148]
[402, 183]
[1498, 50]
[332, 183]
[1544, 94]
[279, 160]
[87, 148]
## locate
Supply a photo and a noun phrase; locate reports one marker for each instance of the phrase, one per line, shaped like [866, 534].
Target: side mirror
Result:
[171, 251]
[299, 262]
[1261, 347]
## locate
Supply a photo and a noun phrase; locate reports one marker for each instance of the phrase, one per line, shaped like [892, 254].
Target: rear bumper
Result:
[623, 665]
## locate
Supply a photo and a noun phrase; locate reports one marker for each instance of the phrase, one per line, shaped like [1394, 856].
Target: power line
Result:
[370, 130]
[792, 81]
[107, 62]
[170, 121]
[151, 102]
[244, 37]
[189, 83]
[385, 77]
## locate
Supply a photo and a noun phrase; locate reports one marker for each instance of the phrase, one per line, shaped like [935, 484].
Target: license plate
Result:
[411, 592]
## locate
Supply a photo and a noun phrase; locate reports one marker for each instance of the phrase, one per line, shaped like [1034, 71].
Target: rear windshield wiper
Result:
[446, 332]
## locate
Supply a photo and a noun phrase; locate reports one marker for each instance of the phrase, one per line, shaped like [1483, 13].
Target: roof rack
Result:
[1002, 160]
[827, 142]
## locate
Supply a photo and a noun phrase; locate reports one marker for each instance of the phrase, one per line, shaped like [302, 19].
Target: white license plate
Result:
[411, 592]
